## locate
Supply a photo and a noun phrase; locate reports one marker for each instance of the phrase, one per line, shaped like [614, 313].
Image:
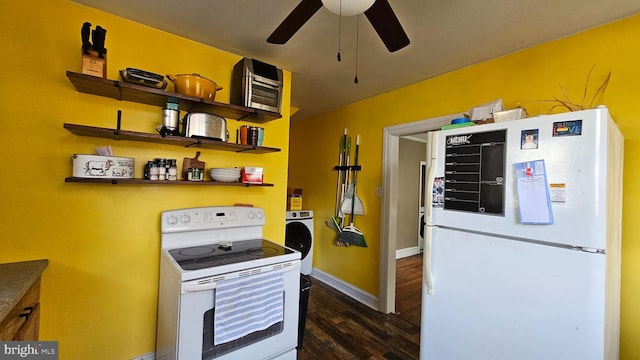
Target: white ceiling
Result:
[445, 35]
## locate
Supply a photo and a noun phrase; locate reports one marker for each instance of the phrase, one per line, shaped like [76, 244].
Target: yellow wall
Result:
[523, 77]
[99, 292]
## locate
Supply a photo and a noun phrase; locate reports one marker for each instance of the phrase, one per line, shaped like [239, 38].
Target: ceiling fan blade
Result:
[292, 23]
[386, 24]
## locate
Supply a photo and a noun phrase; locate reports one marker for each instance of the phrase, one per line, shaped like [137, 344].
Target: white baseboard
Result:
[346, 288]
[410, 251]
[147, 356]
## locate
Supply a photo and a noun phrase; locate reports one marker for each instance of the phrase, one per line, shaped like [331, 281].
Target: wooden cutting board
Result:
[188, 163]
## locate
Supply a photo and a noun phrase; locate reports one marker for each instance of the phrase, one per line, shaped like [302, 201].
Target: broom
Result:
[351, 234]
[333, 222]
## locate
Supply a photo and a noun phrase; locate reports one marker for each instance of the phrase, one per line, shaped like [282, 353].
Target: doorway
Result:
[411, 166]
[389, 214]
[412, 156]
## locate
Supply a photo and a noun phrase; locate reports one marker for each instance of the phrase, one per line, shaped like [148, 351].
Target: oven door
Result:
[195, 329]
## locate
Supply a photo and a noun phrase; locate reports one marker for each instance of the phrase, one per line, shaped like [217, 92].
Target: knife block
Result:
[94, 65]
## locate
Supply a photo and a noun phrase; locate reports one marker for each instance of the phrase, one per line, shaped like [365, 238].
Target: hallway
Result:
[409, 288]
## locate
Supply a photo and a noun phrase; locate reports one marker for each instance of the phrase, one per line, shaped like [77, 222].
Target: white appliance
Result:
[204, 250]
[299, 236]
[495, 288]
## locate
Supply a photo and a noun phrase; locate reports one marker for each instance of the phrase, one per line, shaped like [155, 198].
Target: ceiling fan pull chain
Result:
[355, 80]
[339, 30]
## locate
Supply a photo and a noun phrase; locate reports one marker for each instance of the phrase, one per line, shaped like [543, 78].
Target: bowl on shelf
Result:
[225, 174]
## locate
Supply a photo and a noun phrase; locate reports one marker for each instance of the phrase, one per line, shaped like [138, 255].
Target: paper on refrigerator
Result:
[534, 204]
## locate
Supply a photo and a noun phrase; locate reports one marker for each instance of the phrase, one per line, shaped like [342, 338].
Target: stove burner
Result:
[196, 251]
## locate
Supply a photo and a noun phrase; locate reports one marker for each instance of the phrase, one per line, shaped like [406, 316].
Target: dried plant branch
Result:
[600, 89]
[565, 101]
[564, 92]
[584, 95]
[566, 104]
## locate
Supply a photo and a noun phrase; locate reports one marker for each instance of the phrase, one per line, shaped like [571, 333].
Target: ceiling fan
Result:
[378, 12]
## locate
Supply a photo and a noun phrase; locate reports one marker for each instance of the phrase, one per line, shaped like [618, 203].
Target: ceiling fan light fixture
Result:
[378, 12]
[349, 7]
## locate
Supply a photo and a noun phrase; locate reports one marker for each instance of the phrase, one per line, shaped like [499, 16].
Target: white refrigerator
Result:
[522, 240]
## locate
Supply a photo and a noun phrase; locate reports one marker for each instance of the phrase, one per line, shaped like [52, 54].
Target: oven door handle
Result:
[186, 288]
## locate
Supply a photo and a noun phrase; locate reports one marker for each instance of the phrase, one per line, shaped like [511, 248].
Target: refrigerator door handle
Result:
[426, 257]
[432, 148]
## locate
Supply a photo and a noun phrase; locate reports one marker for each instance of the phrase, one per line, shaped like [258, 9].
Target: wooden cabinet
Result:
[20, 299]
[21, 323]
[31, 328]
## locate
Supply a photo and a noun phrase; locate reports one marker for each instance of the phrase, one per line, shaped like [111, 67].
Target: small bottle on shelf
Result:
[173, 170]
[153, 171]
[162, 169]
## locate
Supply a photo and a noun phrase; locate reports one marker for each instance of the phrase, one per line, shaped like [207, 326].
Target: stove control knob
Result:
[172, 220]
[260, 215]
[251, 215]
[185, 218]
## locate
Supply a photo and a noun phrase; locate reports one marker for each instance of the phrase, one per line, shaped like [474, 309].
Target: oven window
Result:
[211, 351]
[265, 95]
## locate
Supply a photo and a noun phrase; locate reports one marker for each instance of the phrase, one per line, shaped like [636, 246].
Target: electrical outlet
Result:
[147, 356]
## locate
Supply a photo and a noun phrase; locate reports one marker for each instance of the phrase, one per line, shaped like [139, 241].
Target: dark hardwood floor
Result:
[339, 327]
[409, 288]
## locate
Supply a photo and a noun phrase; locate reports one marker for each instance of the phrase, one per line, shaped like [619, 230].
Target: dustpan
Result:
[350, 197]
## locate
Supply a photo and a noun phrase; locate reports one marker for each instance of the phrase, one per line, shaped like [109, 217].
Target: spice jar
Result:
[173, 170]
[194, 174]
[147, 170]
[162, 169]
[153, 171]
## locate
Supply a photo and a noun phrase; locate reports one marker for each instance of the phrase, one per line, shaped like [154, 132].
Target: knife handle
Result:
[85, 33]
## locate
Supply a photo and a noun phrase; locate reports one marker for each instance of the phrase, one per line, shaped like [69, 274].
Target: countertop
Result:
[15, 279]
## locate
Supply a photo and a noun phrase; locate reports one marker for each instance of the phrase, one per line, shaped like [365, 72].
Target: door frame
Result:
[388, 227]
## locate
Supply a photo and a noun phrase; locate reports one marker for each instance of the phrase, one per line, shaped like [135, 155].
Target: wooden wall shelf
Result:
[145, 95]
[121, 90]
[72, 179]
[106, 133]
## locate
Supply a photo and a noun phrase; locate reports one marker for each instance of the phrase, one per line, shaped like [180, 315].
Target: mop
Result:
[351, 234]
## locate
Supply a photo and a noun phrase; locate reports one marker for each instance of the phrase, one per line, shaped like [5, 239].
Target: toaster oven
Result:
[203, 125]
[256, 85]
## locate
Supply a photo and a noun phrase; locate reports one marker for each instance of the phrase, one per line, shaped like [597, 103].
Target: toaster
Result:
[204, 125]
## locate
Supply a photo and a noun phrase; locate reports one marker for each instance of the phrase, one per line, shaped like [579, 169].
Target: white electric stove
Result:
[204, 248]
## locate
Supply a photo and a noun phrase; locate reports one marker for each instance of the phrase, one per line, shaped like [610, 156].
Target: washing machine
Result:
[299, 236]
